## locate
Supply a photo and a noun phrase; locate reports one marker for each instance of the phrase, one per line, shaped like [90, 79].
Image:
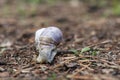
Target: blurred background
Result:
[26, 16]
[27, 8]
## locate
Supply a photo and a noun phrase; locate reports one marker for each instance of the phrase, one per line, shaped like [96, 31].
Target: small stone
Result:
[1, 69]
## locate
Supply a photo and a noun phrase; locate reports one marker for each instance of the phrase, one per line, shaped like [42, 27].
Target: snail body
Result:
[46, 40]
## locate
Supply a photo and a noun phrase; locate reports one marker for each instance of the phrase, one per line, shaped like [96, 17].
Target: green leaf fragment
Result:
[2, 50]
[75, 51]
[86, 49]
[94, 53]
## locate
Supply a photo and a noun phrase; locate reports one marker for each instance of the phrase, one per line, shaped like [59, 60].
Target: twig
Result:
[104, 42]
[60, 64]
[3, 63]
[84, 67]
[17, 73]
[65, 52]
[80, 77]
[79, 70]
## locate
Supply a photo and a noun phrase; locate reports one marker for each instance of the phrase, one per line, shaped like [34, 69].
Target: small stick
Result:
[17, 73]
[80, 77]
[84, 67]
[3, 63]
[65, 51]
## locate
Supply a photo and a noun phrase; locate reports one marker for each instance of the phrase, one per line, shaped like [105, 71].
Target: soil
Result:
[81, 27]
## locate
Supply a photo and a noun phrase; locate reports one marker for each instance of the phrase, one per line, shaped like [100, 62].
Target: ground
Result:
[83, 28]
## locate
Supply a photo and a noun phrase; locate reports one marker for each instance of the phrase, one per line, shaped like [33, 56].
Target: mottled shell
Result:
[51, 32]
[46, 40]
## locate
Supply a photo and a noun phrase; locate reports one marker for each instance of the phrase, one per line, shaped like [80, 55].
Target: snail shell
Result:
[46, 40]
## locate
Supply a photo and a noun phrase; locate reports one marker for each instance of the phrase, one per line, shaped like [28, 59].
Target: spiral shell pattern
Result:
[46, 40]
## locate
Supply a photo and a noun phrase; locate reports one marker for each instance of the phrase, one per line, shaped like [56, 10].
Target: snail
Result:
[47, 40]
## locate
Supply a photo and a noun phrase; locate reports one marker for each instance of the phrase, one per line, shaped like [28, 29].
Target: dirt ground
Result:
[82, 27]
